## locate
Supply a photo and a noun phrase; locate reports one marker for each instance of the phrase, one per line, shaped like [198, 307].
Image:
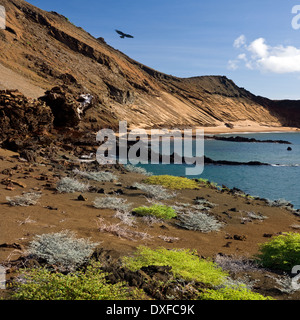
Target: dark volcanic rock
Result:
[63, 106]
[158, 282]
[20, 116]
[29, 155]
[245, 139]
[67, 106]
[234, 163]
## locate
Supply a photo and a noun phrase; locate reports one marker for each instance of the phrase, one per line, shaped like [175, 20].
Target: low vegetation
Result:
[111, 202]
[185, 264]
[172, 182]
[203, 204]
[151, 220]
[255, 216]
[156, 210]
[62, 249]
[91, 284]
[282, 252]
[122, 232]
[231, 293]
[70, 185]
[168, 239]
[153, 191]
[194, 269]
[236, 264]
[24, 200]
[135, 169]
[198, 221]
[126, 218]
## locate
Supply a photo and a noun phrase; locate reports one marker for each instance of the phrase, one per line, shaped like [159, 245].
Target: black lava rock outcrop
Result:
[20, 116]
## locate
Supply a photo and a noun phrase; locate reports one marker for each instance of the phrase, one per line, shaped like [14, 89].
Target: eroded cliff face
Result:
[47, 51]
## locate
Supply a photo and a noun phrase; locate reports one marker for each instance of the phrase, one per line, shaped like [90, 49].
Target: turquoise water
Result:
[279, 181]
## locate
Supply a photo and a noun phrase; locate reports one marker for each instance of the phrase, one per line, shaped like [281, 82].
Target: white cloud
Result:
[258, 48]
[242, 56]
[240, 41]
[232, 65]
[259, 55]
[249, 65]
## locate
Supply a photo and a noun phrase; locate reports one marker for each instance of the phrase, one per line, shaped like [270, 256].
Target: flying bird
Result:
[123, 35]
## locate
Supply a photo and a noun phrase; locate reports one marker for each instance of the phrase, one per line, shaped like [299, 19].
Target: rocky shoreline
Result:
[244, 139]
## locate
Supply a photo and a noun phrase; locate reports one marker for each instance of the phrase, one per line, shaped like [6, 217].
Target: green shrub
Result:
[42, 284]
[185, 264]
[158, 211]
[282, 252]
[231, 293]
[172, 182]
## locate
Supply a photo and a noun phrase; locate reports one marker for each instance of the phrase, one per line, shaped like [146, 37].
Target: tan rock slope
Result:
[40, 50]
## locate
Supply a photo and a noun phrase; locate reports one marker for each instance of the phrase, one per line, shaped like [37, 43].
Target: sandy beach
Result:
[246, 127]
[240, 127]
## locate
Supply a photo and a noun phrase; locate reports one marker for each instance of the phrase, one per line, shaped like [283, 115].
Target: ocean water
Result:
[279, 181]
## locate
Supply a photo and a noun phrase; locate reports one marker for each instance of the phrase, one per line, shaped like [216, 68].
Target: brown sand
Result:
[12, 80]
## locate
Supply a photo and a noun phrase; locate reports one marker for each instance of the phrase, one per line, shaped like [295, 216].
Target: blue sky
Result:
[251, 42]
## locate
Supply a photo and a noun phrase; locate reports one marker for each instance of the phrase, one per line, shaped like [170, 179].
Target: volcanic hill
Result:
[40, 50]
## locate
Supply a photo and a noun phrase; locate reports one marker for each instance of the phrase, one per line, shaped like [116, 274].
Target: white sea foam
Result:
[285, 165]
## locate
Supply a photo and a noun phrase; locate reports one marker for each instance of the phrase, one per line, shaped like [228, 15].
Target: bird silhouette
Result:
[124, 35]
